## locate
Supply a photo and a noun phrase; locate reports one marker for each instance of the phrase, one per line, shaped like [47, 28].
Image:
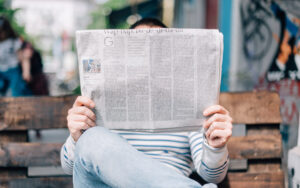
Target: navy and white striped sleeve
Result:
[210, 163]
[67, 155]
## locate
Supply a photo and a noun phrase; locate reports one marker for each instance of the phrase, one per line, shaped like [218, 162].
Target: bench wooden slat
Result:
[50, 112]
[255, 147]
[29, 154]
[49, 182]
[259, 166]
[34, 112]
[257, 180]
[48, 154]
[233, 180]
[252, 107]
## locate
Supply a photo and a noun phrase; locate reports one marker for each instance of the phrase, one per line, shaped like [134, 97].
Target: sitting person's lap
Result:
[105, 156]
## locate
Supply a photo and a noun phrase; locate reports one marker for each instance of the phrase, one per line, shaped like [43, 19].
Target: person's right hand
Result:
[27, 53]
[26, 76]
[81, 117]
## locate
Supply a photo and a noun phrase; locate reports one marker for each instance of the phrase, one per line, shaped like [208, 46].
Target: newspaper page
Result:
[151, 80]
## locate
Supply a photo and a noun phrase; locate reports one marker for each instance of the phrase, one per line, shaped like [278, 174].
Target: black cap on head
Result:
[149, 22]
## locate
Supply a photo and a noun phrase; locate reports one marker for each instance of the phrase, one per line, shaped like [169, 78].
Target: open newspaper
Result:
[153, 80]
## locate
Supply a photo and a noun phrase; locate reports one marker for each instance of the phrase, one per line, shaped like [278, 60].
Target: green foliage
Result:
[99, 17]
[77, 91]
[99, 21]
[116, 4]
[10, 14]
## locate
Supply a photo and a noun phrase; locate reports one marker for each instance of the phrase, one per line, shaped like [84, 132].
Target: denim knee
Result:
[94, 142]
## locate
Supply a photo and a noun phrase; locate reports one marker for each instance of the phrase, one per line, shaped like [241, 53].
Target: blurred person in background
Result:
[32, 69]
[10, 55]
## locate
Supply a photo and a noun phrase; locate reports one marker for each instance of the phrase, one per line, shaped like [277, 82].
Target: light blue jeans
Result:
[105, 159]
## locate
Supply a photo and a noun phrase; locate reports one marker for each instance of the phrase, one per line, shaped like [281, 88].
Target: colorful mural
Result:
[270, 55]
[286, 62]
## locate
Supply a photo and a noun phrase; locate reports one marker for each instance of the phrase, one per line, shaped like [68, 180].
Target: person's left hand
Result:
[218, 126]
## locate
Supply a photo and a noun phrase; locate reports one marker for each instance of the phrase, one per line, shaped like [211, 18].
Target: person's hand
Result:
[24, 56]
[26, 76]
[81, 117]
[218, 126]
[27, 53]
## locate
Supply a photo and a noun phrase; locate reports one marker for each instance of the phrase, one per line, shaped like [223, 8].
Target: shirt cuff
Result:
[214, 157]
[70, 141]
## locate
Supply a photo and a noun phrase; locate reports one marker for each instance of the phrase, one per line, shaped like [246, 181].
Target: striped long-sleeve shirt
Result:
[181, 151]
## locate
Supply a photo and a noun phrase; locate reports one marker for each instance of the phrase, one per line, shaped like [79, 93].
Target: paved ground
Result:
[49, 136]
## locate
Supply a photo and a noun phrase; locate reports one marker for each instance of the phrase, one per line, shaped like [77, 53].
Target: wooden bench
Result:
[255, 153]
[255, 149]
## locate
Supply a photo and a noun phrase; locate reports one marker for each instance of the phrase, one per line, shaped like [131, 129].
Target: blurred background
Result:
[261, 40]
[50, 26]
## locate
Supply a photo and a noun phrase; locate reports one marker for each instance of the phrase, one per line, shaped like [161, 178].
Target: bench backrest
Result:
[255, 154]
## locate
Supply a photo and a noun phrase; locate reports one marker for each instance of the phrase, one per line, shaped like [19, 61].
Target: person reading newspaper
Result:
[98, 157]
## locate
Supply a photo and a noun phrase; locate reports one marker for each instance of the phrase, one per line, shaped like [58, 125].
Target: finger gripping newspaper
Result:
[151, 80]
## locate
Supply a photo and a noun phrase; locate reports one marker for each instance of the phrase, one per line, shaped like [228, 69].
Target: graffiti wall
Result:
[268, 53]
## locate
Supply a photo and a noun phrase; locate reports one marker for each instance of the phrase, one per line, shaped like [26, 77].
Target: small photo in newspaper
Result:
[91, 66]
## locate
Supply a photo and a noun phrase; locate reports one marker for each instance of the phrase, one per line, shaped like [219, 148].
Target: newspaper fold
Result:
[153, 80]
